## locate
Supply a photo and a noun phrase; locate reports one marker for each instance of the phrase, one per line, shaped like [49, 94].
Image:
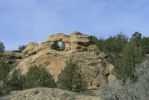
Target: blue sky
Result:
[22, 21]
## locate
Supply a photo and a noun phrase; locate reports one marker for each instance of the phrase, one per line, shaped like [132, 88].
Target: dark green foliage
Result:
[112, 46]
[116, 43]
[145, 44]
[136, 38]
[38, 76]
[2, 47]
[4, 90]
[4, 70]
[132, 54]
[125, 65]
[71, 78]
[98, 42]
[21, 48]
[15, 81]
[124, 54]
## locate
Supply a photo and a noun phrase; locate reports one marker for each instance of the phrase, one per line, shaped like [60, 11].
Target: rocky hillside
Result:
[77, 45]
[11, 58]
[48, 94]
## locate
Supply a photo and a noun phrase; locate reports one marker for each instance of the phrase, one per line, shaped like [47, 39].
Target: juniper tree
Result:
[38, 76]
[71, 78]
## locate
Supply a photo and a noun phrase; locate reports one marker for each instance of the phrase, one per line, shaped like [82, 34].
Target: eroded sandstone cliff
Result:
[77, 45]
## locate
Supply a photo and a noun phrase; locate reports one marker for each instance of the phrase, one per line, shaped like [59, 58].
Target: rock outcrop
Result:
[48, 94]
[77, 45]
[76, 41]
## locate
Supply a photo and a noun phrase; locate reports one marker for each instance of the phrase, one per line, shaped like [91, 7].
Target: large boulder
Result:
[91, 60]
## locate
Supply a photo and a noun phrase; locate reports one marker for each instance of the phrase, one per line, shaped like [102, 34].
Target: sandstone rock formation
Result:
[76, 41]
[77, 45]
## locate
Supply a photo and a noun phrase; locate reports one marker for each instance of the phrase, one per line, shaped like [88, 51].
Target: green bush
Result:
[4, 90]
[15, 81]
[4, 70]
[38, 76]
[71, 78]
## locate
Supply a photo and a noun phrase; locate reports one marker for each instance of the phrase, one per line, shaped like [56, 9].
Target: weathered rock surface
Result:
[48, 94]
[77, 45]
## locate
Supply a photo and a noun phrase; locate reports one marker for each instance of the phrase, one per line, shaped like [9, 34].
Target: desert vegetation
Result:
[129, 90]
[36, 76]
[130, 58]
[71, 78]
[124, 53]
